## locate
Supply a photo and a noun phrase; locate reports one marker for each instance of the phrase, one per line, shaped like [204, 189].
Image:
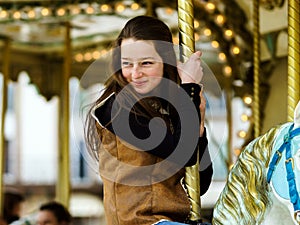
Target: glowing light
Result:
[196, 24]
[228, 33]
[210, 7]
[244, 117]
[45, 12]
[61, 12]
[17, 15]
[75, 10]
[31, 14]
[215, 44]
[87, 56]
[237, 151]
[197, 37]
[135, 6]
[207, 32]
[235, 50]
[105, 8]
[90, 10]
[242, 134]
[3, 14]
[247, 99]
[79, 57]
[120, 7]
[227, 71]
[220, 19]
[96, 55]
[222, 56]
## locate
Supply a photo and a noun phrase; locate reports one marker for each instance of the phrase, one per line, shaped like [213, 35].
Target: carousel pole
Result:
[5, 72]
[293, 79]
[256, 65]
[63, 183]
[187, 47]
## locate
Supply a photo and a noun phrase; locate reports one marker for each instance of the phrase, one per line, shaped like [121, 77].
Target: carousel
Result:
[251, 54]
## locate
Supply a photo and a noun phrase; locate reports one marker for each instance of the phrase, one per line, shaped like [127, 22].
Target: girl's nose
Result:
[136, 71]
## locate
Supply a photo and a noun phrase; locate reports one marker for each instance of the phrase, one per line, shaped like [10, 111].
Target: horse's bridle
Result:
[289, 166]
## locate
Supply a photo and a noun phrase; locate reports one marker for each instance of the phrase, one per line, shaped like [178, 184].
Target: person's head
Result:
[144, 50]
[53, 213]
[142, 55]
[12, 206]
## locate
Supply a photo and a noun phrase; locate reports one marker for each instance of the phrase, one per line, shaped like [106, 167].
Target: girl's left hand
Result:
[191, 71]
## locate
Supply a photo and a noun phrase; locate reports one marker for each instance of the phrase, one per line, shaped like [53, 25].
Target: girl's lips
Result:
[139, 83]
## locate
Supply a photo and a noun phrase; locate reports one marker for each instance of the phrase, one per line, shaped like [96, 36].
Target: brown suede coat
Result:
[135, 189]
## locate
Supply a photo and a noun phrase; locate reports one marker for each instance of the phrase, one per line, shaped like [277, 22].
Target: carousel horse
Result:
[263, 187]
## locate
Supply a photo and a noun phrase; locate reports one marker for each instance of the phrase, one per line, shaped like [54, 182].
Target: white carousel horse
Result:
[263, 187]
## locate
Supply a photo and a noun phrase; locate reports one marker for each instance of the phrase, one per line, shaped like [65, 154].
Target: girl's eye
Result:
[147, 63]
[126, 64]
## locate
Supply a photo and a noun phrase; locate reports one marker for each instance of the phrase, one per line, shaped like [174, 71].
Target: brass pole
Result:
[186, 28]
[256, 65]
[293, 80]
[149, 11]
[187, 47]
[63, 183]
[5, 71]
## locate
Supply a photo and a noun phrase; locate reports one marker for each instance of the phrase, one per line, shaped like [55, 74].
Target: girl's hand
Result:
[191, 71]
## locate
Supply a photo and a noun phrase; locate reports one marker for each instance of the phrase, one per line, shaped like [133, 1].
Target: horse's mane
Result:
[245, 197]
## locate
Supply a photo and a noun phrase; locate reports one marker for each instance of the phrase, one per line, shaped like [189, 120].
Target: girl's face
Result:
[141, 65]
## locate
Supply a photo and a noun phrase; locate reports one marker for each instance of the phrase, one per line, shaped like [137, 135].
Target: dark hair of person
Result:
[139, 28]
[60, 212]
[11, 200]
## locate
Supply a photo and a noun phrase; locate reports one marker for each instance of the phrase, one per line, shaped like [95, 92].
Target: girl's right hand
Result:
[191, 71]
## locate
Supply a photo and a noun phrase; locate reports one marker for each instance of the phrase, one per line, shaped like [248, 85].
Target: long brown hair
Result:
[138, 28]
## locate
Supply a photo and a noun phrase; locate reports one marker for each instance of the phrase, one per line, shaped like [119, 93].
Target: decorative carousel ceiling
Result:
[223, 31]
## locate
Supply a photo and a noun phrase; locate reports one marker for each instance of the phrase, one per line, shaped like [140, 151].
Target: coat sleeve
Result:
[206, 169]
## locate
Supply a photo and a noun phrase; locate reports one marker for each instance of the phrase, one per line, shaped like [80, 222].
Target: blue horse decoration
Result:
[263, 187]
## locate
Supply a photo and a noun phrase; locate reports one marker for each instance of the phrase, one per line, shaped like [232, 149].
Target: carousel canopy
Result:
[36, 31]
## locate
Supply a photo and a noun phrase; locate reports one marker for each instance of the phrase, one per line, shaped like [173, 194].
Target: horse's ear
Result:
[297, 115]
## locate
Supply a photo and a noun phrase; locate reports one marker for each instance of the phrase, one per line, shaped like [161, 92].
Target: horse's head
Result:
[245, 197]
[284, 167]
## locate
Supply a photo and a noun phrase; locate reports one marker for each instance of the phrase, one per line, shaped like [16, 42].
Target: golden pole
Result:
[293, 81]
[186, 28]
[187, 45]
[256, 65]
[63, 183]
[5, 71]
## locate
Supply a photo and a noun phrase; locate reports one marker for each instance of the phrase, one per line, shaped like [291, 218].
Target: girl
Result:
[146, 127]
